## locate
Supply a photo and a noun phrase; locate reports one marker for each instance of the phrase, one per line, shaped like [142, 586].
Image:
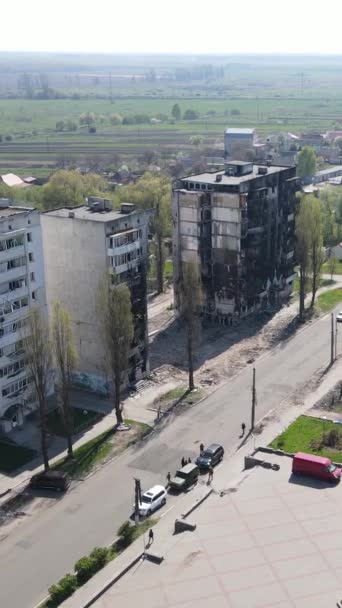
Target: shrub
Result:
[84, 569]
[190, 115]
[235, 112]
[92, 130]
[64, 588]
[332, 438]
[8, 138]
[126, 532]
[99, 557]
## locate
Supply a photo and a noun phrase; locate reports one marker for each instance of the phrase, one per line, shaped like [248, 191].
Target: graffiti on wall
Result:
[90, 382]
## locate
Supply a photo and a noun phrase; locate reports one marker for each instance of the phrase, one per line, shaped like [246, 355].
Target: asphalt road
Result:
[44, 547]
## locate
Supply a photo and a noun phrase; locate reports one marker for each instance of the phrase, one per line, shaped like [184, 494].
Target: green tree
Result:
[190, 115]
[69, 188]
[87, 118]
[303, 222]
[332, 264]
[306, 162]
[190, 300]
[115, 119]
[65, 361]
[176, 112]
[60, 125]
[196, 140]
[316, 243]
[117, 328]
[38, 353]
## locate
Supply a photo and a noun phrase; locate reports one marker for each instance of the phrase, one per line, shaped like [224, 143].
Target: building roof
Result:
[83, 212]
[237, 131]
[12, 180]
[330, 170]
[231, 180]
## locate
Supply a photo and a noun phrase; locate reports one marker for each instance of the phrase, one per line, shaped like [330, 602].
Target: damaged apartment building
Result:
[238, 226]
[80, 245]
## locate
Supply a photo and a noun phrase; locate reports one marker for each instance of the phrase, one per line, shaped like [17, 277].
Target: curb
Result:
[114, 580]
[197, 504]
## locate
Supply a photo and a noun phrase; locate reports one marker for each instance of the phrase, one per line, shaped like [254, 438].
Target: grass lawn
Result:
[322, 283]
[328, 300]
[300, 434]
[338, 269]
[101, 448]
[13, 456]
[182, 394]
[82, 420]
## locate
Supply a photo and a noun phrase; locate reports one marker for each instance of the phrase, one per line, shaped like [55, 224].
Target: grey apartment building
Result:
[238, 226]
[80, 245]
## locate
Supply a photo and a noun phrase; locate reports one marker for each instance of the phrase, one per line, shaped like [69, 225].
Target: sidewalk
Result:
[227, 478]
[136, 407]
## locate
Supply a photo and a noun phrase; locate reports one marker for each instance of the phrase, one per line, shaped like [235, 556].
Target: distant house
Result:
[13, 181]
[238, 139]
[337, 251]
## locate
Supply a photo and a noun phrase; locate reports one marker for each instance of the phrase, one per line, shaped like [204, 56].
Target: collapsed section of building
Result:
[238, 226]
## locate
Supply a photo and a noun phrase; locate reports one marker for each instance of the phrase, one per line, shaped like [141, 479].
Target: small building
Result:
[80, 245]
[13, 181]
[238, 227]
[22, 286]
[327, 174]
[337, 251]
[236, 139]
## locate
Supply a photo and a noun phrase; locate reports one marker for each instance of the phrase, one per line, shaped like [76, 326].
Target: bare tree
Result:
[36, 341]
[65, 361]
[190, 302]
[116, 319]
[332, 264]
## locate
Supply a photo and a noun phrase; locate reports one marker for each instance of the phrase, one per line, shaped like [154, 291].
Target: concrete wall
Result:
[75, 256]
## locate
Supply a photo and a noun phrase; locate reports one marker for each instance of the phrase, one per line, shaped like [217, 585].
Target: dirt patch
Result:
[221, 352]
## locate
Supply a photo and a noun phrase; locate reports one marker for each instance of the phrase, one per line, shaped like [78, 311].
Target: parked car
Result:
[339, 317]
[50, 480]
[151, 501]
[185, 477]
[315, 466]
[210, 456]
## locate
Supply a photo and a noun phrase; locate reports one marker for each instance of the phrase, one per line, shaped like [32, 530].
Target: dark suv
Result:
[50, 480]
[210, 456]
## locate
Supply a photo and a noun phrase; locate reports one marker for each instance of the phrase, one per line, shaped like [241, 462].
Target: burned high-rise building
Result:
[238, 226]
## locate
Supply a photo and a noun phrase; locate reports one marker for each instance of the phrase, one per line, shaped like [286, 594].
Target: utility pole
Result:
[137, 499]
[253, 401]
[332, 339]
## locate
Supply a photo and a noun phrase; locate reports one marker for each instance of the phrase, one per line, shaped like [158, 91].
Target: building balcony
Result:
[12, 274]
[9, 254]
[128, 248]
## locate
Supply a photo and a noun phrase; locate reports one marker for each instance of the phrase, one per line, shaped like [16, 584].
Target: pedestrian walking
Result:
[189, 461]
[211, 474]
[150, 537]
[243, 428]
[168, 477]
[201, 448]
[183, 462]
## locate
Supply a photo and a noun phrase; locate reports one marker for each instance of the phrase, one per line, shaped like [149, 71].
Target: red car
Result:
[315, 466]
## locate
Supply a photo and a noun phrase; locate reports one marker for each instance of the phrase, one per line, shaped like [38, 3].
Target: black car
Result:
[50, 480]
[210, 456]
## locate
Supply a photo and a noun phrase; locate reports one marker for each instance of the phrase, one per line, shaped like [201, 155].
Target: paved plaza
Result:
[274, 542]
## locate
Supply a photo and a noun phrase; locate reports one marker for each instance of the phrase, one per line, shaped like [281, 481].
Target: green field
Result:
[273, 94]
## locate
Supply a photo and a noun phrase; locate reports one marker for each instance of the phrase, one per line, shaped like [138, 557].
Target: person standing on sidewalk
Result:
[168, 477]
[150, 537]
[243, 428]
[211, 474]
[201, 448]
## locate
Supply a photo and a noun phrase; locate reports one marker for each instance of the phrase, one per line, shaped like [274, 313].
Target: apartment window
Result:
[33, 295]
[30, 256]
[29, 221]
[29, 237]
[32, 276]
[9, 227]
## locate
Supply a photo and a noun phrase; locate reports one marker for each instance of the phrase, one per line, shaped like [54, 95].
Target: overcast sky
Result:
[190, 26]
